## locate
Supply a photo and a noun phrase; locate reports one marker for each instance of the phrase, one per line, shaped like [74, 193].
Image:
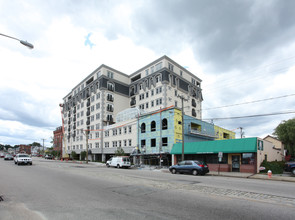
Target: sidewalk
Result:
[278, 177]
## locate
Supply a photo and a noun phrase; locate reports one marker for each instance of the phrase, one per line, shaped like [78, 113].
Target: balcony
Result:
[88, 113]
[132, 102]
[88, 122]
[74, 119]
[74, 111]
[110, 109]
[110, 98]
[88, 103]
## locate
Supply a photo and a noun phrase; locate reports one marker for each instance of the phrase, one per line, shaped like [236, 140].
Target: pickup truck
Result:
[290, 167]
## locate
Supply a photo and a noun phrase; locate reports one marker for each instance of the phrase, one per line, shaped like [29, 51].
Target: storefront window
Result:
[248, 158]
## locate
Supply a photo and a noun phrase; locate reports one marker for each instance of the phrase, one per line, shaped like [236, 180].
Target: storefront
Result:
[238, 155]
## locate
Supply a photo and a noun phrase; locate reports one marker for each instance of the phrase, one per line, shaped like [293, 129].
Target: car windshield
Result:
[23, 155]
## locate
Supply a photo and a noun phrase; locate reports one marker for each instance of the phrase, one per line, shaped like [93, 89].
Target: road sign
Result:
[220, 154]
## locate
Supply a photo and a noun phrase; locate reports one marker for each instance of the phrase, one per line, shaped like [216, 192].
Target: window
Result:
[153, 126]
[142, 127]
[97, 106]
[110, 74]
[152, 103]
[96, 144]
[97, 126]
[120, 131]
[147, 94]
[129, 129]
[152, 92]
[82, 104]
[164, 124]
[120, 143]
[175, 104]
[125, 130]
[170, 66]
[110, 86]
[92, 118]
[180, 72]
[106, 133]
[81, 122]
[153, 142]
[97, 116]
[130, 142]
[248, 158]
[114, 143]
[164, 142]
[82, 113]
[146, 72]
[114, 132]
[125, 143]
[106, 144]
[92, 98]
[92, 108]
[152, 69]
[147, 105]
[96, 134]
[158, 66]
[142, 143]
[98, 95]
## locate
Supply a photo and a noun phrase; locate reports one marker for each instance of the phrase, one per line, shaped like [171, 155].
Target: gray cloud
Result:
[18, 106]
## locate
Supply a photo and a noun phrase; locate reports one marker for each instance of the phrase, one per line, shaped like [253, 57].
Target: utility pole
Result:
[86, 134]
[160, 144]
[241, 132]
[43, 145]
[182, 124]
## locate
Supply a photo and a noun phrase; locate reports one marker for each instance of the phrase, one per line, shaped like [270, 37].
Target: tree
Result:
[119, 152]
[285, 132]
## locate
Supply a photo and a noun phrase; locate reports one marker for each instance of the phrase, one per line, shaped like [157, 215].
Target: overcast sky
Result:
[242, 50]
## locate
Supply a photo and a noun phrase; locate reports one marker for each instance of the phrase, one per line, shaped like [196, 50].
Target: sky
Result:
[242, 50]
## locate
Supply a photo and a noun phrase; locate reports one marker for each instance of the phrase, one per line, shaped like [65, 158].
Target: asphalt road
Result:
[66, 190]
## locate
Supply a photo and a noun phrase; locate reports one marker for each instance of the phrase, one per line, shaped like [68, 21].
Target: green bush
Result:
[276, 167]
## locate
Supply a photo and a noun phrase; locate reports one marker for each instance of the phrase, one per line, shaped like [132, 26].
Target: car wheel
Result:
[118, 166]
[31, 164]
[14, 162]
[195, 172]
[293, 171]
[108, 165]
[18, 163]
[173, 171]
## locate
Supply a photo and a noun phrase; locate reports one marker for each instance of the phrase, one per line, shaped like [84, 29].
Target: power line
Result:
[250, 102]
[251, 116]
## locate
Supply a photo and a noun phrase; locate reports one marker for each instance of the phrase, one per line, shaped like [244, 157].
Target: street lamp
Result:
[27, 44]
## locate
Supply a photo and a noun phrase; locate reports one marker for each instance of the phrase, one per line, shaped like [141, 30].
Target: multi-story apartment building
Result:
[93, 105]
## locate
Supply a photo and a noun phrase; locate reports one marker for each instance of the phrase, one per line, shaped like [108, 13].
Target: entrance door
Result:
[236, 163]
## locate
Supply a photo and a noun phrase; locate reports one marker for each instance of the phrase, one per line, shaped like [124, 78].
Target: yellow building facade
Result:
[223, 134]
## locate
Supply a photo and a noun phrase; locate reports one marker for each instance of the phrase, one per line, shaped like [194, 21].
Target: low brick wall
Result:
[223, 167]
[246, 168]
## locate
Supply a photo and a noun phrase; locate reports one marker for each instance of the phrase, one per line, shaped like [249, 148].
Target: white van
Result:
[119, 162]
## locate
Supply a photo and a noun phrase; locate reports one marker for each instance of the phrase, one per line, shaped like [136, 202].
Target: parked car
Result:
[22, 159]
[121, 161]
[194, 167]
[290, 167]
[8, 157]
[108, 162]
[48, 156]
[2, 155]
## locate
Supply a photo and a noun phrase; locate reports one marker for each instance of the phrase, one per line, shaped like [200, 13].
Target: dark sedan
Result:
[194, 167]
[8, 157]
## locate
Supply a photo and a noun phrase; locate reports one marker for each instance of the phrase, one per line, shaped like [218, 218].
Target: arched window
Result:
[153, 126]
[142, 128]
[164, 124]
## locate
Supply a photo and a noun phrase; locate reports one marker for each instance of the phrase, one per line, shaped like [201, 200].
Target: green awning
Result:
[243, 145]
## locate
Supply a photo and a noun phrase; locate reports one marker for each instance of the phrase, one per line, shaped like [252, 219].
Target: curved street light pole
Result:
[27, 44]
